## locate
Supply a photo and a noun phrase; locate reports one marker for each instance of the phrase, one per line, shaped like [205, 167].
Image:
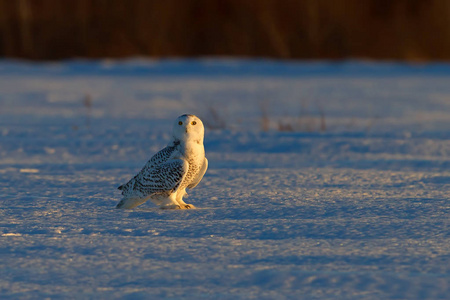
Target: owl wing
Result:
[199, 177]
[165, 177]
[159, 158]
[163, 155]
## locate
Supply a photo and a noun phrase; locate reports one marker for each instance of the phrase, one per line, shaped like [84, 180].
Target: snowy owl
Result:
[165, 177]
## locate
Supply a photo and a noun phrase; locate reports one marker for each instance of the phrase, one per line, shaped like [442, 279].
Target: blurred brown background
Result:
[300, 29]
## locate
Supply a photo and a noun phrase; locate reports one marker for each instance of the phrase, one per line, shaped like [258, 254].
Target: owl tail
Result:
[121, 204]
[129, 203]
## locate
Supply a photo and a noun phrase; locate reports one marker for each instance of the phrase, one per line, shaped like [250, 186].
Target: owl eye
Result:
[180, 123]
[193, 122]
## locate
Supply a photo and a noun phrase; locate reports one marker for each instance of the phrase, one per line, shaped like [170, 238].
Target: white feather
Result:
[165, 177]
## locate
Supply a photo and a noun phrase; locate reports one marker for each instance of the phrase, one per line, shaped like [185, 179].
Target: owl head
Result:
[188, 128]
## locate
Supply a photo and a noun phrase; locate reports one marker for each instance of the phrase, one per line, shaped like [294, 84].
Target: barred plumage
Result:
[165, 177]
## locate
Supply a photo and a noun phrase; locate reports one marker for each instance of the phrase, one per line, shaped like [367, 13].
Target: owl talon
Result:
[171, 207]
[189, 206]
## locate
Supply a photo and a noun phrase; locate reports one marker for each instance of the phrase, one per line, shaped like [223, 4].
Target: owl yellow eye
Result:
[180, 123]
[193, 122]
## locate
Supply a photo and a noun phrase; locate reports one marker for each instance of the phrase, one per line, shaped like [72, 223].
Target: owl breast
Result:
[195, 161]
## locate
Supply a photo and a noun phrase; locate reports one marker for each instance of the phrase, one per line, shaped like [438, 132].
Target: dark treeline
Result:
[305, 29]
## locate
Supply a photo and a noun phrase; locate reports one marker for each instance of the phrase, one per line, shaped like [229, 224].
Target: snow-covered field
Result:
[325, 180]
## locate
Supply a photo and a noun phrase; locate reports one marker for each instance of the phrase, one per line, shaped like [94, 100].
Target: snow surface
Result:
[325, 180]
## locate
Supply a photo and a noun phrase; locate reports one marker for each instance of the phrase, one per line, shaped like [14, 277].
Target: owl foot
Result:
[176, 206]
[173, 206]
